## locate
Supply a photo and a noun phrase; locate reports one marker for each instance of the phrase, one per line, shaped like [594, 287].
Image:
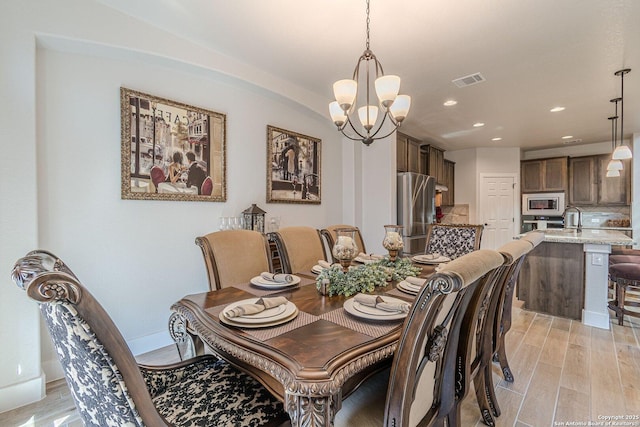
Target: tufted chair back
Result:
[453, 240]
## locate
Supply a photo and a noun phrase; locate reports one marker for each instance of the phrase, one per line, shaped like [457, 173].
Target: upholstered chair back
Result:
[330, 235]
[108, 386]
[100, 380]
[534, 238]
[232, 257]
[453, 240]
[300, 248]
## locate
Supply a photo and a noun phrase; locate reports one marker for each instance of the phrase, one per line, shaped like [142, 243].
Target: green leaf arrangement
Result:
[364, 278]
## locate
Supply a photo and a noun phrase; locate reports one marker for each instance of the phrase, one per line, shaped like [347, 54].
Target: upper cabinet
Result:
[448, 198]
[589, 185]
[407, 153]
[544, 175]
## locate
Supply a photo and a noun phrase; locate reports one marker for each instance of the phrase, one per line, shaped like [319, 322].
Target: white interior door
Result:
[497, 209]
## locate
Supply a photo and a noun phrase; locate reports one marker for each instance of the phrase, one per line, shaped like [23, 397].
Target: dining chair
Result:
[300, 248]
[420, 388]
[329, 234]
[453, 240]
[207, 186]
[232, 257]
[157, 176]
[110, 389]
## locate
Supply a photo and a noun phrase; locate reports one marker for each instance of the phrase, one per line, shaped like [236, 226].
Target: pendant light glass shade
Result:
[613, 173]
[337, 113]
[615, 165]
[387, 88]
[400, 107]
[345, 92]
[622, 152]
[368, 116]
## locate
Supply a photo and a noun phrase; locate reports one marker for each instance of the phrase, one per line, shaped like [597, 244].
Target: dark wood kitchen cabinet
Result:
[589, 185]
[407, 153]
[448, 198]
[542, 175]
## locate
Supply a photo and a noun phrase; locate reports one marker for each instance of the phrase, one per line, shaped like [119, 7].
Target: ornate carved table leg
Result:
[188, 345]
[312, 411]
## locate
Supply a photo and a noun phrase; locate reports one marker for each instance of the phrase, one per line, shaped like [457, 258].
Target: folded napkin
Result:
[415, 280]
[277, 277]
[434, 255]
[369, 256]
[378, 302]
[260, 305]
[324, 264]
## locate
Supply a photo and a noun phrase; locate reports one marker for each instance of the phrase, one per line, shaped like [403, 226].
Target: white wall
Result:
[471, 163]
[61, 184]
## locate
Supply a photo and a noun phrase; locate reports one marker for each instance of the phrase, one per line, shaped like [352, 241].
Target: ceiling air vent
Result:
[469, 80]
[573, 141]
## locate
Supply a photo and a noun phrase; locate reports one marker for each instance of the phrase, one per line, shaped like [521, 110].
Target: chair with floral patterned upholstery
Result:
[453, 240]
[108, 386]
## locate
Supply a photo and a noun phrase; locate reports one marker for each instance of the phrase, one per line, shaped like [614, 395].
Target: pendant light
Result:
[622, 152]
[614, 165]
[393, 106]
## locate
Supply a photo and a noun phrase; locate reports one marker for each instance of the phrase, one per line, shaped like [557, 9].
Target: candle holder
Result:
[393, 240]
[345, 248]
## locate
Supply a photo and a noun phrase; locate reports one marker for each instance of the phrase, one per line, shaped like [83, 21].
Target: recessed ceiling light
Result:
[567, 137]
[496, 139]
[556, 109]
[450, 103]
[478, 125]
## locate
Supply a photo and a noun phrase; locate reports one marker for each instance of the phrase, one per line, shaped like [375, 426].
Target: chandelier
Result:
[395, 107]
[622, 151]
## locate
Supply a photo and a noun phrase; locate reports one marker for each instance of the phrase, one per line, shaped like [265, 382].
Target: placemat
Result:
[398, 293]
[367, 327]
[260, 292]
[264, 334]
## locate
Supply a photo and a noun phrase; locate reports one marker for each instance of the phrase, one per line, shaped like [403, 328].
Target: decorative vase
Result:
[345, 248]
[393, 240]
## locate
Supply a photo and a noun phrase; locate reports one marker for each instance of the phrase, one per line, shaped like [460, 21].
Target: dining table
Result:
[310, 362]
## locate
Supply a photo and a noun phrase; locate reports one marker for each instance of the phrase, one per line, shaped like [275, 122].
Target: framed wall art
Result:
[293, 167]
[170, 150]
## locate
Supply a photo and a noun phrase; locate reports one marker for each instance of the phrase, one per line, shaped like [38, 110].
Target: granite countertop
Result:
[593, 236]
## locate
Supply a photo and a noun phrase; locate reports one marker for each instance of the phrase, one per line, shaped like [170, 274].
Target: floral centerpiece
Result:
[364, 278]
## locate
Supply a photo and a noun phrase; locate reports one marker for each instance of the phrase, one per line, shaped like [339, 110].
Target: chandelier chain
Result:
[368, 21]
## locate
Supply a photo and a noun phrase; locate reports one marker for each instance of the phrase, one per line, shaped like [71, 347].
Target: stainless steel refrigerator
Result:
[416, 209]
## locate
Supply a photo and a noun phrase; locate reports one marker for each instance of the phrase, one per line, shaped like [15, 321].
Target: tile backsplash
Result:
[457, 214]
[605, 216]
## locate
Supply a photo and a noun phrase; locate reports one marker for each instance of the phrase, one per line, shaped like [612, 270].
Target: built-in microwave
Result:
[548, 204]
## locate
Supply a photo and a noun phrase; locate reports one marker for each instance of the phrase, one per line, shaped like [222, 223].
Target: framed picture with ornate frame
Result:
[170, 150]
[293, 167]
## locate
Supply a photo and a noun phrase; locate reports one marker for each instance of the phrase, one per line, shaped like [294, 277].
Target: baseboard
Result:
[150, 342]
[599, 320]
[17, 395]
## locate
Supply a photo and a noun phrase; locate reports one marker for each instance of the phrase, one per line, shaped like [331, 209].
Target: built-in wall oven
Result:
[543, 204]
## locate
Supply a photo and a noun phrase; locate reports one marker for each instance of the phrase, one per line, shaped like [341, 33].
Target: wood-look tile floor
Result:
[565, 374]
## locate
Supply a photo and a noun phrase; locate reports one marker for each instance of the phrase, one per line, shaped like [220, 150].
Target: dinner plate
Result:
[316, 269]
[372, 313]
[261, 282]
[429, 259]
[408, 288]
[269, 315]
[265, 324]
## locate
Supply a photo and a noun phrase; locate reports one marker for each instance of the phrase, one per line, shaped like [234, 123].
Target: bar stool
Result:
[626, 277]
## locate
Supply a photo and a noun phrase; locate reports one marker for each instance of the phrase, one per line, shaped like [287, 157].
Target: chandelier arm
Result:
[353, 128]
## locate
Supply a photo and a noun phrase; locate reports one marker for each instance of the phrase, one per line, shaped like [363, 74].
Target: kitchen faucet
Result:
[579, 212]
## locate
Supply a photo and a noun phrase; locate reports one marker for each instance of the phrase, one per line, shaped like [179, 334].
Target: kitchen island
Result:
[567, 274]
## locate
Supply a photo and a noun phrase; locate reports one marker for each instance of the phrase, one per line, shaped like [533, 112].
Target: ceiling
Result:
[533, 54]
